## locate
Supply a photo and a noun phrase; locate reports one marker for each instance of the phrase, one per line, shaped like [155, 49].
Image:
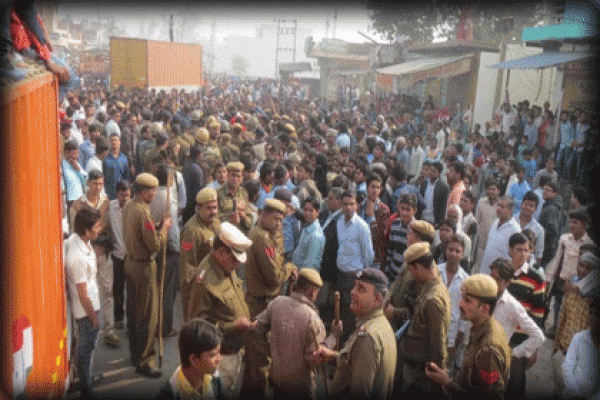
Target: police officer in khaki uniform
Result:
[232, 193]
[218, 297]
[266, 274]
[425, 339]
[196, 242]
[404, 291]
[214, 129]
[142, 240]
[367, 362]
[237, 138]
[486, 365]
[265, 270]
[201, 136]
[229, 151]
[296, 331]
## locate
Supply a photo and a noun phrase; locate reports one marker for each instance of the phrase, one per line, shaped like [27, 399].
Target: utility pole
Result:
[295, 29]
[171, 28]
[285, 27]
[334, 21]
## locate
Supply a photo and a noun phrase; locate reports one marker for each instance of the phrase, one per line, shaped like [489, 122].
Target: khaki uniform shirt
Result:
[196, 243]
[265, 269]
[229, 153]
[486, 363]
[295, 329]
[219, 298]
[225, 200]
[142, 240]
[367, 363]
[425, 340]
[189, 138]
[403, 296]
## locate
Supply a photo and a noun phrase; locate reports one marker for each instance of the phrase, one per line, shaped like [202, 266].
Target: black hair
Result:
[95, 174]
[408, 198]
[374, 177]
[582, 195]
[70, 145]
[460, 168]
[252, 188]
[196, 337]
[349, 193]
[531, 196]
[265, 170]
[85, 219]
[162, 174]
[517, 238]
[312, 200]
[102, 145]
[580, 215]
[503, 267]
[448, 222]
[122, 185]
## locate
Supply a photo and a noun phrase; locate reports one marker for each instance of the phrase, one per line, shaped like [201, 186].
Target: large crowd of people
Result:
[449, 246]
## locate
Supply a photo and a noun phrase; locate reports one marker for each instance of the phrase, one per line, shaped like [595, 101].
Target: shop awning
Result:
[354, 72]
[541, 60]
[430, 67]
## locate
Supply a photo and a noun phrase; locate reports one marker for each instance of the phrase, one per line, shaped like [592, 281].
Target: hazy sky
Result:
[239, 20]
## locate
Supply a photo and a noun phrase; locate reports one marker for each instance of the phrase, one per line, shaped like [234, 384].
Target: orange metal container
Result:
[149, 63]
[34, 334]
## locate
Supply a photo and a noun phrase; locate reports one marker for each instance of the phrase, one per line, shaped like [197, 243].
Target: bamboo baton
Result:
[336, 320]
[323, 370]
[161, 289]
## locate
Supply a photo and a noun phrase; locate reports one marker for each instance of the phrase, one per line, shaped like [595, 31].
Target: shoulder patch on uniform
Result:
[149, 226]
[270, 251]
[490, 377]
[187, 246]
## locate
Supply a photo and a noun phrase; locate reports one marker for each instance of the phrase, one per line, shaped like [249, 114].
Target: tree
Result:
[423, 21]
[239, 65]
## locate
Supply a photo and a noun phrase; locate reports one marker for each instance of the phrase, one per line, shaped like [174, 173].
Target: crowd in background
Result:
[516, 190]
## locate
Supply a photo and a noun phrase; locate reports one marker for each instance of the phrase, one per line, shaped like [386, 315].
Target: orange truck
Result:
[34, 335]
[155, 64]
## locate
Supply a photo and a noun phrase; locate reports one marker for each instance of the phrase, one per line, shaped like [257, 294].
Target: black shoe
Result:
[150, 372]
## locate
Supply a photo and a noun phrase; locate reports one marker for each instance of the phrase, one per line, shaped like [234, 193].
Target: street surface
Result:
[122, 382]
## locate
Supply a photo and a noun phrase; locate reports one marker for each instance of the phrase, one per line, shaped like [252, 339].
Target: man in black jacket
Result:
[193, 177]
[329, 263]
[435, 192]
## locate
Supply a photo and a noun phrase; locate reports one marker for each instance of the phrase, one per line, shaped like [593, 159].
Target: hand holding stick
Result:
[336, 319]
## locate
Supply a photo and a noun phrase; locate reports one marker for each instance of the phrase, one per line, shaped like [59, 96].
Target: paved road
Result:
[122, 382]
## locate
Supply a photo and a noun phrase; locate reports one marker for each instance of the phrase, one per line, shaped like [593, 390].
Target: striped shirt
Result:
[528, 287]
[397, 244]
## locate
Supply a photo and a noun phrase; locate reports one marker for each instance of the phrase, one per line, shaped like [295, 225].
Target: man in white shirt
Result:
[580, 367]
[84, 296]
[417, 156]
[500, 232]
[453, 276]
[355, 253]
[115, 221]
[112, 126]
[526, 221]
[513, 317]
[101, 152]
